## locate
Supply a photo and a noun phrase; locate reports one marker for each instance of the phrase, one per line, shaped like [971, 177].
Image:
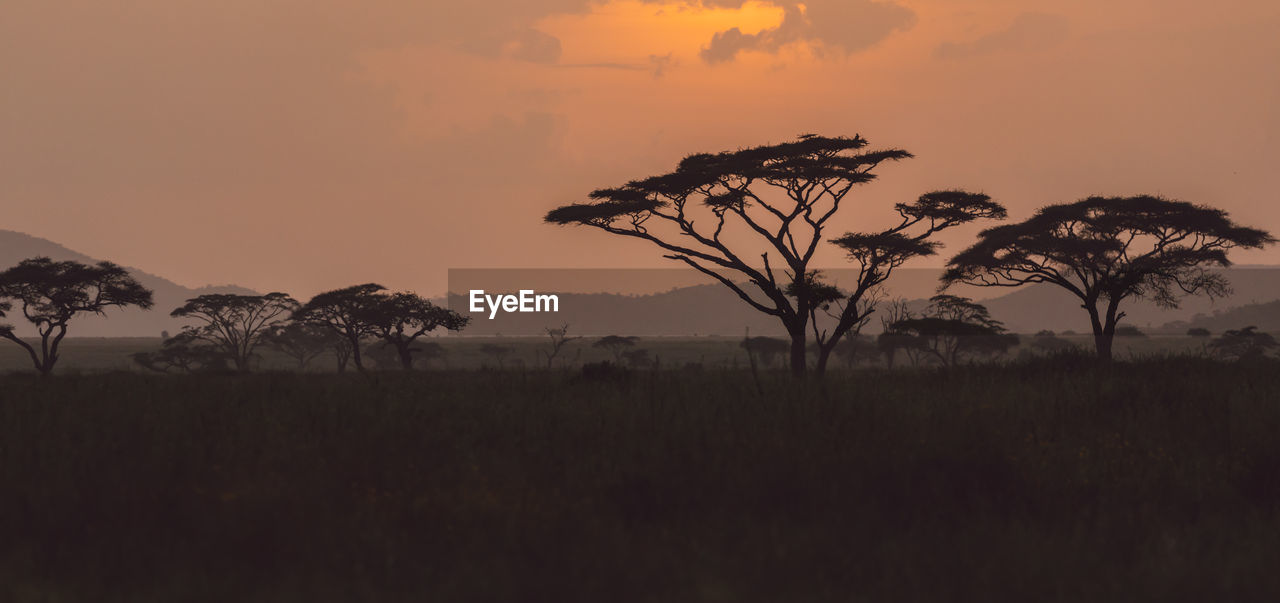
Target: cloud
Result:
[533, 46]
[1028, 32]
[833, 26]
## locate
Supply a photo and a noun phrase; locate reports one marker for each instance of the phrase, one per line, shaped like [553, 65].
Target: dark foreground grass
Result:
[1150, 481]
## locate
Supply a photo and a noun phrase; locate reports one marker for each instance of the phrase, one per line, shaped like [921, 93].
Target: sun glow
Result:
[623, 30]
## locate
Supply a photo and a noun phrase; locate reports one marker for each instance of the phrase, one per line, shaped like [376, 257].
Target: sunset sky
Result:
[303, 145]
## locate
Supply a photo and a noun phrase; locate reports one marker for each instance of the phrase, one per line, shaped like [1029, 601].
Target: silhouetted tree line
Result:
[1102, 250]
[350, 323]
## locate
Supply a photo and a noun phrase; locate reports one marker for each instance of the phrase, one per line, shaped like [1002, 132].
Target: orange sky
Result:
[301, 145]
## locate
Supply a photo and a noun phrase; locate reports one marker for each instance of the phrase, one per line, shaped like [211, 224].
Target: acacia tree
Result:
[616, 344]
[953, 327]
[301, 341]
[186, 353]
[235, 323]
[52, 293]
[1105, 250]
[399, 319]
[559, 338]
[718, 212]
[347, 313]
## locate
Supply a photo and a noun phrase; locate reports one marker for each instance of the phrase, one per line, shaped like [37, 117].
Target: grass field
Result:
[113, 354]
[1154, 480]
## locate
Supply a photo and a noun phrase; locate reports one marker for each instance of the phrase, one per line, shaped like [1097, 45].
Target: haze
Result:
[299, 146]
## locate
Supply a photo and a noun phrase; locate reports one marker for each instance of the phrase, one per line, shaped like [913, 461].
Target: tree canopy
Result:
[237, 324]
[50, 293]
[1105, 250]
[781, 197]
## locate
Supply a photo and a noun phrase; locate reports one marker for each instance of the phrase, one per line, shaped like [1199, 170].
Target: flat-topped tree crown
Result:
[50, 293]
[235, 324]
[1108, 249]
[754, 218]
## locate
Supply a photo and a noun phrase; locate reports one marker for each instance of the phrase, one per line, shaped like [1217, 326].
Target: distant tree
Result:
[559, 338]
[399, 319]
[857, 349]
[1047, 342]
[497, 352]
[1105, 250]
[954, 327]
[1198, 332]
[892, 340]
[235, 323]
[1243, 344]
[347, 312]
[717, 212]
[616, 345]
[765, 349]
[300, 341]
[185, 353]
[1128, 331]
[52, 293]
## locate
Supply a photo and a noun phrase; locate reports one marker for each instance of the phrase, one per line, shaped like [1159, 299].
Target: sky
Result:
[307, 145]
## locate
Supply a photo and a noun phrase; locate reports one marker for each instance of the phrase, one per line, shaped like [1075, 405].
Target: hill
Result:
[130, 322]
[714, 310]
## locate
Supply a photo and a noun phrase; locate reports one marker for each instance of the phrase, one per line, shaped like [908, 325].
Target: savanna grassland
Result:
[1045, 480]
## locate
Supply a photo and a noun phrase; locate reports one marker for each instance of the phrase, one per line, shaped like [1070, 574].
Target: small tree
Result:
[616, 345]
[1243, 344]
[559, 338]
[346, 312]
[236, 323]
[186, 353]
[954, 327]
[856, 349]
[300, 341]
[52, 293]
[1198, 332]
[399, 319]
[497, 352]
[1104, 250]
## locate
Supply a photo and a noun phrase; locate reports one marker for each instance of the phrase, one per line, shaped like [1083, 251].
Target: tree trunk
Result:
[798, 352]
[1103, 334]
[406, 356]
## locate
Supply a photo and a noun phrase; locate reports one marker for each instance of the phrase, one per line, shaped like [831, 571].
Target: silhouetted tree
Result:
[1243, 344]
[1049, 343]
[51, 293]
[616, 345]
[559, 338]
[1105, 250]
[235, 323]
[186, 353]
[782, 197]
[399, 319]
[497, 352]
[300, 341]
[891, 341]
[953, 327]
[1198, 332]
[855, 349]
[348, 313]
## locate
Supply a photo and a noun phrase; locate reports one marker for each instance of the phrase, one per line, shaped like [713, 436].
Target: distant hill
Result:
[714, 310]
[1265, 316]
[131, 322]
